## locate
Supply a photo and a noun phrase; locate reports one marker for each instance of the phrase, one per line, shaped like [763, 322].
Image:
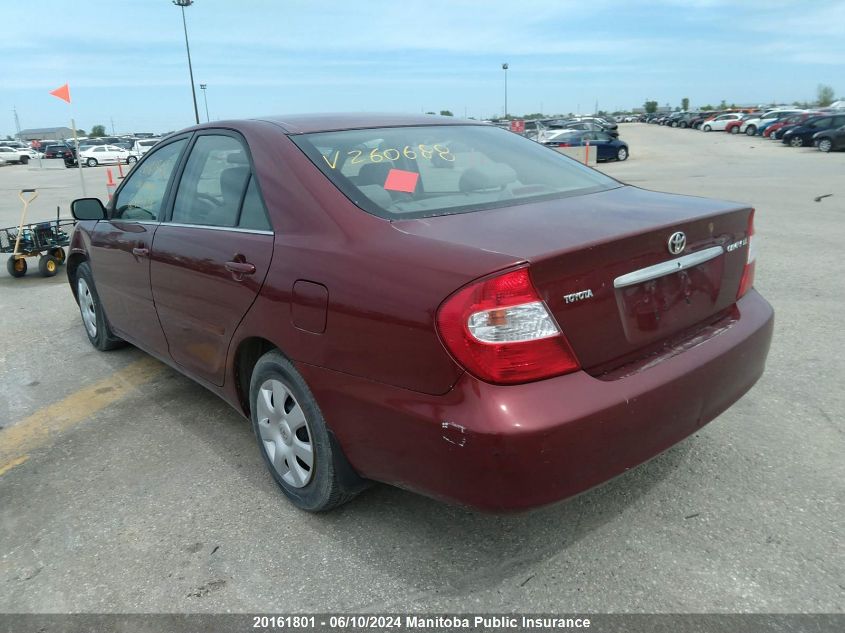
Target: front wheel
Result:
[91, 162]
[131, 159]
[825, 145]
[16, 267]
[735, 129]
[24, 160]
[93, 317]
[751, 130]
[622, 153]
[295, 443]
[707, 128]
[796, 141]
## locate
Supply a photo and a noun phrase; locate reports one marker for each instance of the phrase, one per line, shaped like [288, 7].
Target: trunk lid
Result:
[583, 250]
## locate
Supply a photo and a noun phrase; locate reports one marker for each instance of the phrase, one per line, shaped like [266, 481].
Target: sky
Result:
[126, 64]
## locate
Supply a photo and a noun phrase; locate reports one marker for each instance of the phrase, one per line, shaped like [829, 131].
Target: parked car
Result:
[751, 126]
[830, 140]
[17, 155]
[719, 123]
[607, 146]
[802, 135]
[441, 305]
[789, 121]
[142, 146]
[61, 151]
[106, 154]
[734, 126]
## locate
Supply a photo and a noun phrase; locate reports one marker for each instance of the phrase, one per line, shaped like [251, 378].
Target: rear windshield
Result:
[416, 172]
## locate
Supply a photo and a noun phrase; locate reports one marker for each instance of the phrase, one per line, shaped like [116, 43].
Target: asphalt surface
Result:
[125, 487]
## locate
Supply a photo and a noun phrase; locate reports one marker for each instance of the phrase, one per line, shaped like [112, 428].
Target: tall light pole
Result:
[505, 68]
[205, 98]
[182, 4]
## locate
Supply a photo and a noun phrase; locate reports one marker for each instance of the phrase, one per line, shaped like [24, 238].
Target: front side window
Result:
[213, 183]
[142, 195]
[424, 171]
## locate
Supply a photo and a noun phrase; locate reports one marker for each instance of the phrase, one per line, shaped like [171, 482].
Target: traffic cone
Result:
[111, 185]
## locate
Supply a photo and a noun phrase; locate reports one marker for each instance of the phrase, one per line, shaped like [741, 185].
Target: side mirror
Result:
[88, 209]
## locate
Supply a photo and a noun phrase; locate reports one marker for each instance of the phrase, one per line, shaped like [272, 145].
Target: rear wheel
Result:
[707, 128]
[796, 141]
[751, 130]
[48, 266]
[59, 254]
[131, 159]
[91, 162]
[622, 153]
[735, 129]
[295, 443]
[24, 160]
[16, 267]
[93, 317]
[825, 145]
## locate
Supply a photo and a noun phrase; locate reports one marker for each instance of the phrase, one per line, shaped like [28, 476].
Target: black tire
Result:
[684, 125]
[735, 129]
[751, 130]
[796, 141]
[48, 266]
[91, 162]
[825, 145]
[622, 154]
[59, 254]
[103, 339]
[131, 159]
[16, 267]
[707, 128]
[332, 480]
[24, 160]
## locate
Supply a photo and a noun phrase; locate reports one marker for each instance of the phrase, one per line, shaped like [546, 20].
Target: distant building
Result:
[41, 133]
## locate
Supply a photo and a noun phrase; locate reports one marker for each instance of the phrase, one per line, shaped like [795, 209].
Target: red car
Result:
[795, 119]
[437, 304]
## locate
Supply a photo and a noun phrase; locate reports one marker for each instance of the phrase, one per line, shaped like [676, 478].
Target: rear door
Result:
[210, 257]
[120, 247]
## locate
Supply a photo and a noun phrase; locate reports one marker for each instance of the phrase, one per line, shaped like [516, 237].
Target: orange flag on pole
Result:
[62, 93]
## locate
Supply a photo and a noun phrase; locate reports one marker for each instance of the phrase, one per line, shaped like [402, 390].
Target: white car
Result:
[142, 146]
[751, 126]
[105, 154]
[721, 122]
[17, 155]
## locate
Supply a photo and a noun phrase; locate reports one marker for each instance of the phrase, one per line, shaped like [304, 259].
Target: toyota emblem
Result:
[677, 243]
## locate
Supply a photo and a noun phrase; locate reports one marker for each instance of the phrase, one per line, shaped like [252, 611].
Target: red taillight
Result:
[747, 280]
[501, 331]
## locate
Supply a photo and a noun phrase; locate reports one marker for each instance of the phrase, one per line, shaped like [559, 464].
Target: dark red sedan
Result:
[437, 304]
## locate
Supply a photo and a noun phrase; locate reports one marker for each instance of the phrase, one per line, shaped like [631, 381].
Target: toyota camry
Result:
[437, 304]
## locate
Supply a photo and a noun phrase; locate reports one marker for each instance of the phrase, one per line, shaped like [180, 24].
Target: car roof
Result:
[308, 123]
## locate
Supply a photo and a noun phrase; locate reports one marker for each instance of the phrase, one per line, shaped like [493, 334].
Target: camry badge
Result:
[677, 243]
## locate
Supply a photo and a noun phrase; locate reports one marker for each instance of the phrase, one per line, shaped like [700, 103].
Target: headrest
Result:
[237, 158]
[490, 176]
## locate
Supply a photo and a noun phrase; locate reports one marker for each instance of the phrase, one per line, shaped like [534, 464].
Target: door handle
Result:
[240, 268]
[140, 252]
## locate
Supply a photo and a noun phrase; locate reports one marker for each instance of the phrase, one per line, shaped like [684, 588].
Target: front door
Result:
[210, 257]
[120, 248]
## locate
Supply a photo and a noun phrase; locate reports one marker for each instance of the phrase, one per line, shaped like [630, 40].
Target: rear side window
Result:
[253, 214]
[213, 182]
[424, 171]
[142, 195]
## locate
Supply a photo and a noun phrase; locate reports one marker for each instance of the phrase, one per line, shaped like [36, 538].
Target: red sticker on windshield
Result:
[401, 180]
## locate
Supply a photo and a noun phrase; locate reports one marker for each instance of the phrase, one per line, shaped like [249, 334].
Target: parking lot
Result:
[125, 487]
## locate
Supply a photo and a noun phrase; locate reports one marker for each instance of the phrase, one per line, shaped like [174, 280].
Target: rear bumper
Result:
[505, 448]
